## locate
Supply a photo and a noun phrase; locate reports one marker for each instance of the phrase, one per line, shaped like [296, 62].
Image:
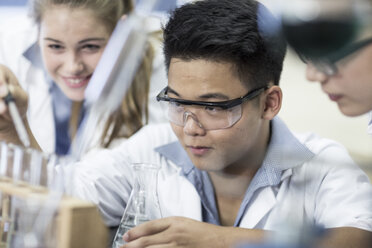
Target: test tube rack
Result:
[78, 223]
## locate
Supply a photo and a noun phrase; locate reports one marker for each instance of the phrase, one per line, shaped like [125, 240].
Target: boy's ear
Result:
[272, 102]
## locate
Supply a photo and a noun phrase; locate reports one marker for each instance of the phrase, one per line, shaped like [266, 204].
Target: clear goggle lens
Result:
[209, 118]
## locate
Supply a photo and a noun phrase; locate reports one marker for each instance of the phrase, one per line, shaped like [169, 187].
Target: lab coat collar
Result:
[33, 54]
[284, 153]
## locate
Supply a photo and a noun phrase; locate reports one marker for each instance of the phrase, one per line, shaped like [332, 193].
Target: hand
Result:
[8, 82]
[176, 232]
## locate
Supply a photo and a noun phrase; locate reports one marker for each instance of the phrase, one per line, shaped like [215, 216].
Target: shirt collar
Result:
[285, 151]
[175, 153]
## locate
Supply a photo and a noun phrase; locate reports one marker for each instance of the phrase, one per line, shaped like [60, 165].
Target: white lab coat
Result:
[369, 128]
[18, 37]
[326, 188]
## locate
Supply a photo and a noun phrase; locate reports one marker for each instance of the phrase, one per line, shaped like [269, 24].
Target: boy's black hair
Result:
[241, 32]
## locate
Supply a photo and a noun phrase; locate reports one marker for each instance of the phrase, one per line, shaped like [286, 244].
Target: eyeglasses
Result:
[328, 65]
[208, 115]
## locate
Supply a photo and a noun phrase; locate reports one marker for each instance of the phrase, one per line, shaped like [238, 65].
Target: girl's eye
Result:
[91, 47]
[55, 46]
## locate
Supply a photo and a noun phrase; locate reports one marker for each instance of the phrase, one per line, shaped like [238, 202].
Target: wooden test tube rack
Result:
[78, 223]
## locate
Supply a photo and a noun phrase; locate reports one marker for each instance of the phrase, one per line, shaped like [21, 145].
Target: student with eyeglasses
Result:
[338, 52]
[346, 79]
[230, 169]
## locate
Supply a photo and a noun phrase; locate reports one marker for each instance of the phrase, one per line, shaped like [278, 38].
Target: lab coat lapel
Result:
[284, 153]
[178, 194]
[178, 197]
[259, 208]
[40, 110]
[264, 203]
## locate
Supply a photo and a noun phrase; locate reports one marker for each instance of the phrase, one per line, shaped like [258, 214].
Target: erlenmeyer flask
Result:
[143, 204]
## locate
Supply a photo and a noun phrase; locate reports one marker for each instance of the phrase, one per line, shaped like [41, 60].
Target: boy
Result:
[230, 169]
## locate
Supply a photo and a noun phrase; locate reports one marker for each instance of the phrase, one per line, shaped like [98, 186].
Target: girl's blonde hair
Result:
[133, 112]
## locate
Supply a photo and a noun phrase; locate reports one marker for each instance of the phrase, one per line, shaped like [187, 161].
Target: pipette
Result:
[17, 120]
[114, 73]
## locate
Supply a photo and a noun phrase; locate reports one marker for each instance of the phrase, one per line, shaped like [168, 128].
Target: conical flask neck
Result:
[144, 199]
[145, 179]
[143, 204]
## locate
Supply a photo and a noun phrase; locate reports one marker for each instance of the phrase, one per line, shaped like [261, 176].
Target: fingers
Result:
[158, 239]
[20, 96]
[9, 83]
[7, 76]
[4, 78]
[161, 246]
[3, 107]
[147, 228]
[166, 232]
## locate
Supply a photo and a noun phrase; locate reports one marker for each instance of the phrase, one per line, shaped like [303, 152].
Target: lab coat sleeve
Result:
[14, 40]
[343, 195]
[104, 179]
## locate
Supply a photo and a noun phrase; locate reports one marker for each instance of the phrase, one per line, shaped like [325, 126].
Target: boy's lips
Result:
[199, 150]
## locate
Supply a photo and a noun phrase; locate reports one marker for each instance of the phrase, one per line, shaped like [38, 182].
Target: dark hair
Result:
[240, 32]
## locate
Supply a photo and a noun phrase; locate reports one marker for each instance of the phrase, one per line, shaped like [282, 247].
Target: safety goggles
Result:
[328, 65]
[208, 115]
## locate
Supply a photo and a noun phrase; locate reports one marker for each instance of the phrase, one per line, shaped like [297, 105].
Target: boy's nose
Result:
[192, 126]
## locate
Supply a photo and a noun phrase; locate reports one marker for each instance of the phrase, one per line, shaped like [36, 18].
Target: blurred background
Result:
[305, 107]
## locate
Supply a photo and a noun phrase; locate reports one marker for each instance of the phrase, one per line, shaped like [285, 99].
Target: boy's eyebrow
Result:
[170, 90]
[205, 96]
[215, 96]
[51, 39]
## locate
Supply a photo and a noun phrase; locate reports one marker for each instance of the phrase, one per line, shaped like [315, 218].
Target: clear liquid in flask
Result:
[143, 204]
